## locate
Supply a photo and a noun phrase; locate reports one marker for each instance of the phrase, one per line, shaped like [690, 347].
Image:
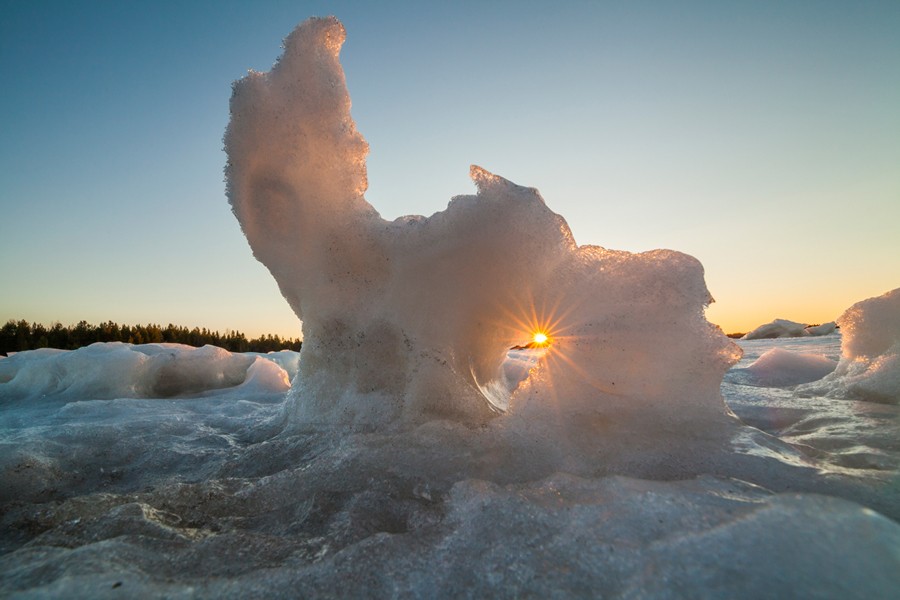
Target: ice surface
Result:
[414, 454]
[869, 368]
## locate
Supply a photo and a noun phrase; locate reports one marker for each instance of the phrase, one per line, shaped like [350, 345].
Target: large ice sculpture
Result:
[408, 320]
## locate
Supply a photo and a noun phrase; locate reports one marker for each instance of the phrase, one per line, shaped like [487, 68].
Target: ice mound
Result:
[782, 328]
[117, 370]
[869, 368]
[781, 368]
[411, 320]
[779, 328]
[823, 329]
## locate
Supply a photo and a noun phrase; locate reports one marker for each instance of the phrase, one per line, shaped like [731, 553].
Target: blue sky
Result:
[763, 138]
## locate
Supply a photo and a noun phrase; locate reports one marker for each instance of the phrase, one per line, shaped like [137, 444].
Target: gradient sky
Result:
[761, 137]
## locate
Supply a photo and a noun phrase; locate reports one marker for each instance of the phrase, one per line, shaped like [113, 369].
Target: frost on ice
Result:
[408, 320]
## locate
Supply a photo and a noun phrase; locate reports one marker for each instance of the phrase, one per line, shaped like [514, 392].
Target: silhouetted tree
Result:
[18, 336]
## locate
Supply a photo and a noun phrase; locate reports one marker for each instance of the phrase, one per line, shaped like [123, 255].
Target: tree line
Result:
[18, 336]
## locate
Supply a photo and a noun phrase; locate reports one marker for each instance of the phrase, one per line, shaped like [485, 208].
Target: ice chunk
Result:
[288, 360]
[823, 329]
[779, 328]
[780, 368]
[409, 320]
[118, 370]
[869, 368]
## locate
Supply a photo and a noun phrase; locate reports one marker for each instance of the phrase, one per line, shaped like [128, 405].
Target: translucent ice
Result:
[409, 320]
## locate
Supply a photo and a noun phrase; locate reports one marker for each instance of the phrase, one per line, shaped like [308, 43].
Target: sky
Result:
[762, 138]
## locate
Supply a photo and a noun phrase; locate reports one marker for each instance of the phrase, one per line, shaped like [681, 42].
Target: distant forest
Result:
[18, 336]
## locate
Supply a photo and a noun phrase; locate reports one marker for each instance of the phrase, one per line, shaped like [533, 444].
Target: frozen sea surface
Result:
[407, 453]
[204, 494]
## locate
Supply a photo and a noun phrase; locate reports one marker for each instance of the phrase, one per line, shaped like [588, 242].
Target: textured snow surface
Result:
[407, 452]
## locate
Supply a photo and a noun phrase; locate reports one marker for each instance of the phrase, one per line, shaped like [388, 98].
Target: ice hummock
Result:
[778, 328]
[413, 456]
[869, 368]
[778, 367]
[783, 328]
[823, 329]
[112, 370]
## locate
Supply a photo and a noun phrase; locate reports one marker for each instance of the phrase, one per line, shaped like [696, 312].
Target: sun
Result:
[540, 338]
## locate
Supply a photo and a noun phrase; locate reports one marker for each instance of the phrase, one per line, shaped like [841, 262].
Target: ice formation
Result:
[869, 368]
[409, 320]
[117, 370]
[823, 329]
[779, 328]
[782, 328]
[779, 368]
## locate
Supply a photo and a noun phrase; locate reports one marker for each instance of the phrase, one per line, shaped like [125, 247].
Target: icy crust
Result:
[411, 320]
[117, 370]
[559, 537]
[210, 497]
[348, 521]
[869, 368]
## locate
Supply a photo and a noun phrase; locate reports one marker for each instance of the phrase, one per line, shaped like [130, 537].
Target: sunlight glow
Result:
[540, 338]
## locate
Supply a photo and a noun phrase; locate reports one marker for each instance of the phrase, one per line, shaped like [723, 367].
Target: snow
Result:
[408, 452]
